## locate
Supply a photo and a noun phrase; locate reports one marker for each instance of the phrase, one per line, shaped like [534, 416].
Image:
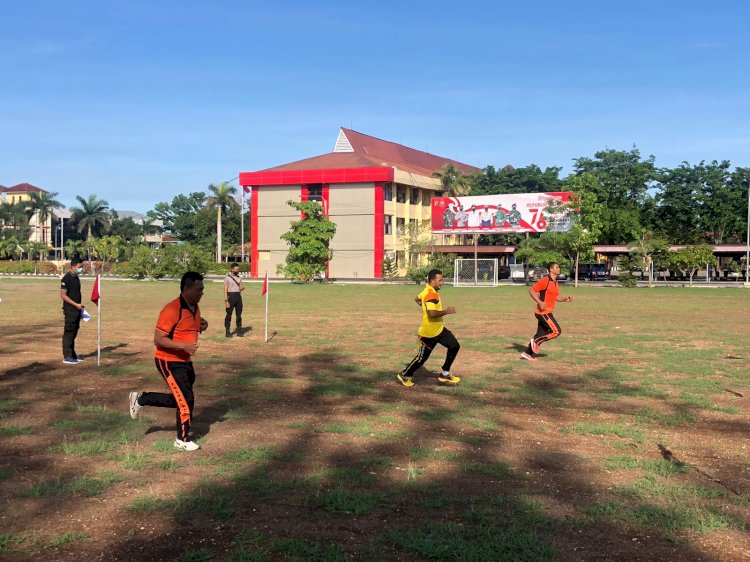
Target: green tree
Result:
[15, 220]
[723, 202]
[649, 252]
[528, 179]
[309, 242]
[38, 250]
[73, 247]
[179, 217]
[127, 229]
[538, 252]
[146, 262]
[8, 246]
[107, 249]
[42, 205]
[692, 258]
[389, 268]
[622, 182]
[222, 199]
[180, 258]
[678, 211]
[585, 216]
[415, 238]
[436, 260]
[455, 182]
[92, 217]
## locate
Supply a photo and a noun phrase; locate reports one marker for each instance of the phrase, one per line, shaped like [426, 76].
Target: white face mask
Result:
[79, 270]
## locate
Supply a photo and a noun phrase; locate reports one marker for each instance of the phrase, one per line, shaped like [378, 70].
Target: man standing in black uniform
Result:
[233, 299]
[70, 293]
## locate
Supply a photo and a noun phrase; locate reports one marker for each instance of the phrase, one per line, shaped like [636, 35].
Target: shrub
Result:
[443, 262]
[627, 279]
[389, 269]
[13, 266]
[48, 267]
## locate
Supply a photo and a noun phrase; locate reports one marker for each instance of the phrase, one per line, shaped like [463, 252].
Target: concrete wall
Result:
[352, 208]
[274, 217]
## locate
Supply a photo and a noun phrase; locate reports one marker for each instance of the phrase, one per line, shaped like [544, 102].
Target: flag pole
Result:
[99, 321]
[267, 291]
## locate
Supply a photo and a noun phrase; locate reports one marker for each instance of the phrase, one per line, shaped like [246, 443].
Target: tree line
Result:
[622, 198]
[688, 204]
[208, 223]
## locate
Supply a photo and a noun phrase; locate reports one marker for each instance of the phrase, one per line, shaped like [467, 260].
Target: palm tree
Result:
[8, 247]
[223, 197]
[92, 215]
[14, 216]
[73, 247]
[455, 182]
[42, 204]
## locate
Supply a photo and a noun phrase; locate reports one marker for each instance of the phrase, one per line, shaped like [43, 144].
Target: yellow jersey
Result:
[430, 327]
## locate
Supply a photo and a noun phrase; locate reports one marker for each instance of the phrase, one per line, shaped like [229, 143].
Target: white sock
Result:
[446, 374]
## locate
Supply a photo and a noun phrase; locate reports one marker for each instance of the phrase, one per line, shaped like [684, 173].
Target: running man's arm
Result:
[563, 299]
[535, 296]
[439, 313]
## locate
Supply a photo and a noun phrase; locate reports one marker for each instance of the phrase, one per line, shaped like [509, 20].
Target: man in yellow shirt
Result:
[432, 332]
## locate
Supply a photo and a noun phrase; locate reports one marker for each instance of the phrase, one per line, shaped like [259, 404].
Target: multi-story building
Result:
[41, 231]
[373, 190]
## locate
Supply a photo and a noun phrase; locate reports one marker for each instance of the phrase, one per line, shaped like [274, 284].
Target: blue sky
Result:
[137, 101]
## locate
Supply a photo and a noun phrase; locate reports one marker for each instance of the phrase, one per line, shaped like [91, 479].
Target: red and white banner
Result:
[498, 214]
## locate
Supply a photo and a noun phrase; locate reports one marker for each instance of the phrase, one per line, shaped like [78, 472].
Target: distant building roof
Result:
[24, 188]
[357, 150]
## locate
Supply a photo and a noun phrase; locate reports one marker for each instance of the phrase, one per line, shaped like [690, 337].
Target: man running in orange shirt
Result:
[545, 293]
[176, 340]
[432, 332]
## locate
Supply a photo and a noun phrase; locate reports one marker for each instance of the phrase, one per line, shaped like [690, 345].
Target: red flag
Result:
[95, 292]
[265, 285]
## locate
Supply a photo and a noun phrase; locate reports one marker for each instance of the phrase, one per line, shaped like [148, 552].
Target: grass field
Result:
[627, 440]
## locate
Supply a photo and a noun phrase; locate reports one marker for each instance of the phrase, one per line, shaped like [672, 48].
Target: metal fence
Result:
[475, 273]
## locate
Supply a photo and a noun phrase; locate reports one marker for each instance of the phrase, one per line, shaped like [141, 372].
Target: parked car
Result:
[593, 271]
[538, 272]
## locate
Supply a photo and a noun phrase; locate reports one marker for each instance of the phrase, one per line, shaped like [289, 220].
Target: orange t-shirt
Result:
[180, 323]
[548, 291]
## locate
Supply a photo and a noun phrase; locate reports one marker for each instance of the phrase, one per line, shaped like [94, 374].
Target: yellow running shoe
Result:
[450, 379]
[406, 381]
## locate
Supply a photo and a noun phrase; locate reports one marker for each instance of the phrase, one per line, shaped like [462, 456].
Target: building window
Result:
[400, 225]
[315, 192]
[400, 259]
[388, 224]
[414, 196]
[426, 198]
[388, 192]
[400, 194]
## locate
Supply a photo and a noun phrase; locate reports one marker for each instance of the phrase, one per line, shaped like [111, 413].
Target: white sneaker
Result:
[135, 407]
[186, 445]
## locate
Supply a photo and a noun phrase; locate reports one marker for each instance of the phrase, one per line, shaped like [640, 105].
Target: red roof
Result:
[24, 188]
[370, 152]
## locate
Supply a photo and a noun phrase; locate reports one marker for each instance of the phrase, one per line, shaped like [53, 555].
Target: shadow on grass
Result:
[425, 488]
